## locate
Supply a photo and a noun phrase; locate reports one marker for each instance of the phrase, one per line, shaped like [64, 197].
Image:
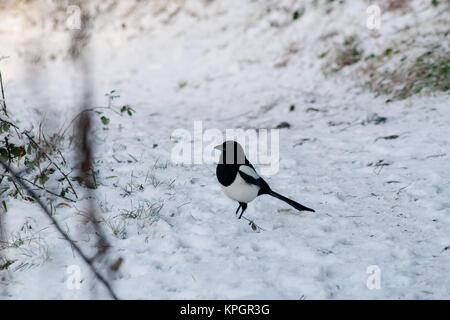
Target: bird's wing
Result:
[251, 177]
[250, 171]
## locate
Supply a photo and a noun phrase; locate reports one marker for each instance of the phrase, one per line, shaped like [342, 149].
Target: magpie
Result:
[239, 180]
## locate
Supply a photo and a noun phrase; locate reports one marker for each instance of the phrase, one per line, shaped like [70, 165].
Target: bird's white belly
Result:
[241, 191]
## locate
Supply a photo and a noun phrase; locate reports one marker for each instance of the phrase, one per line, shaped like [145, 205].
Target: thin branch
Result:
[17, 188]
[3, 95]
[10, 123]
[81, 113]
[46, 190]
[253, 224]
[60, 230]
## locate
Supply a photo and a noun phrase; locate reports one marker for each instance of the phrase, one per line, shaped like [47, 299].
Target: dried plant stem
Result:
[52, 162]
[46, 190]
[81, 113]
[253, 224]
[3, 95]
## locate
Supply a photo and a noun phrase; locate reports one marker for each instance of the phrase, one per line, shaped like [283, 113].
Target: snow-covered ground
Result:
[380, 200]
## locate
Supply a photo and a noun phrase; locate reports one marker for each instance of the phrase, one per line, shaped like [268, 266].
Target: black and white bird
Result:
[239, 179]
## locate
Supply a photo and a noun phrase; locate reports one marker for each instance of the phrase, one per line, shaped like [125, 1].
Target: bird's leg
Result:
[244, 207]
[238, 208]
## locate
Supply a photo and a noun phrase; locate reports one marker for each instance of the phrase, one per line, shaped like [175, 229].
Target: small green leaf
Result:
[128, 109]
[43, 178]
[105, 120]
[64, 191]
[4, 127]
[17, 151]
[4, 153]
[182, 84]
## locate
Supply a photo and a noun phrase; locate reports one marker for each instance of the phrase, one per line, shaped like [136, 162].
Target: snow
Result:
[396, 216]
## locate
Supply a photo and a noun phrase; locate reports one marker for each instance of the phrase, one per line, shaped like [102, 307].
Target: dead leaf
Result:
[116, 265]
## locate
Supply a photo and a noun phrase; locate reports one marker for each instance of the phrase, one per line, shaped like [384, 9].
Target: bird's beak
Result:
[219, 147]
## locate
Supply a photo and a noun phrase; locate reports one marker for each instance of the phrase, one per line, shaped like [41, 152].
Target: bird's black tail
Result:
[296, 205]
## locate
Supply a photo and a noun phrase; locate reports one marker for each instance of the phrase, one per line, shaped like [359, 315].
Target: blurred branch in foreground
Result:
[80, 40]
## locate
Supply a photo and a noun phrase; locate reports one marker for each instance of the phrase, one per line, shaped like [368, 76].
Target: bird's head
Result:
[232, 153]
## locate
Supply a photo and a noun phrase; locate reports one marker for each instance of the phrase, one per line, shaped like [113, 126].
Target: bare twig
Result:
[16, 187]
[3, 95]
[10, 123]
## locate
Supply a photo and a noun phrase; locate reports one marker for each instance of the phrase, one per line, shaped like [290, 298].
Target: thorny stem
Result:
[253, 224]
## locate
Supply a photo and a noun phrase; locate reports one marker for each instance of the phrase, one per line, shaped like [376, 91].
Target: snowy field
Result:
[376, 171]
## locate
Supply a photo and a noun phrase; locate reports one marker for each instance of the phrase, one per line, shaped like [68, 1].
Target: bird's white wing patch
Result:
[241, 191]
[249, 171]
